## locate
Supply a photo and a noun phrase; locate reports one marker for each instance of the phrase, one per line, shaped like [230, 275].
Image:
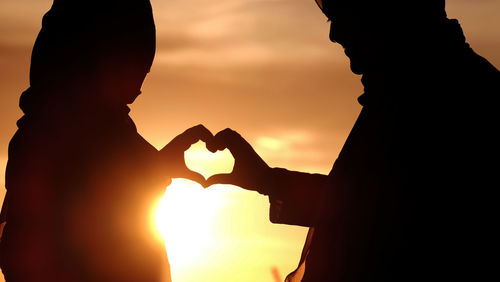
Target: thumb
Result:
[223, 178]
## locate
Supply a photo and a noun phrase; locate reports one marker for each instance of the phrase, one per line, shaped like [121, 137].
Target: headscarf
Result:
[88, 49]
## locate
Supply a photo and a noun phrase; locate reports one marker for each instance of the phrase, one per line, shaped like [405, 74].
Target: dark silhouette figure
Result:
[408, 198]
[81, 182]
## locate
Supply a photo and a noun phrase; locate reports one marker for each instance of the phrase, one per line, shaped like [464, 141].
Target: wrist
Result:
[269, 180]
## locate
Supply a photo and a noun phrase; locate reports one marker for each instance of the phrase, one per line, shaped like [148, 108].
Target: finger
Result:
[226, 138]
[217, 142]
[192, 135]
[200, 132]
[232, 140]
[223, 178]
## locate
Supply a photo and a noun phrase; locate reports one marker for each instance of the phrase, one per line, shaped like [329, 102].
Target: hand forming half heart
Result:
[173, 153]
[249, 171]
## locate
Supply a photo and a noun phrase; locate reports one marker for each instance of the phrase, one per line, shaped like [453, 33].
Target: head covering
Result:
[382, 32]
[386, 9]
[88, 48]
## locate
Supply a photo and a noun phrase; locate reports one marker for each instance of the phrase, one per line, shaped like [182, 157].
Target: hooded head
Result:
[371, 31]
[96, 51]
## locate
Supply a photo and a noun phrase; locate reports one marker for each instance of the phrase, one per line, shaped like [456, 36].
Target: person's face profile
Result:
[354, 37]
[355, 33]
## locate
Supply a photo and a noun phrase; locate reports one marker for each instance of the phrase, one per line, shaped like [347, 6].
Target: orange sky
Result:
[262, 67]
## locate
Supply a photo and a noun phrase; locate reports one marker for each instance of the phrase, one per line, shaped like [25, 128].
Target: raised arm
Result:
[294, 196]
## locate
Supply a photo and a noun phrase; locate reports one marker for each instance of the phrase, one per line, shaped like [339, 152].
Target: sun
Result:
[185, 218]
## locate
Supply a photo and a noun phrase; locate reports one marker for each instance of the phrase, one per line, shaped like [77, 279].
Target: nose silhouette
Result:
[332, 34]
[340, 33]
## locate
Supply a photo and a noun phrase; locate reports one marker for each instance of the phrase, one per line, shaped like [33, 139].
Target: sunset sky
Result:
[262, 67]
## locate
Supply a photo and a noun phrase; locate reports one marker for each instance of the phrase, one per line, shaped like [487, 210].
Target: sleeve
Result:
[294, 196]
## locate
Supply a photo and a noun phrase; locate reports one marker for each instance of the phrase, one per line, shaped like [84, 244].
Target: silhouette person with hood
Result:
[81, 182]
[408, 198]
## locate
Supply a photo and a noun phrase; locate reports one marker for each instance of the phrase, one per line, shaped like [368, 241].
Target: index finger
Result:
[232, 140]
[191, 136]
[199, 132]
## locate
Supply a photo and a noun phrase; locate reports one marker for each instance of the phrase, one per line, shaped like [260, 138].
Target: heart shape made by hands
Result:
[206, 163]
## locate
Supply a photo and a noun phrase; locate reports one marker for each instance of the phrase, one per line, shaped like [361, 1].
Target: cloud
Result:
[240, 33]
[297, 149]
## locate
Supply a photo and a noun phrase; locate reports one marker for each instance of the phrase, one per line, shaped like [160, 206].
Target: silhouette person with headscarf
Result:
[81, 182]
[408, 198]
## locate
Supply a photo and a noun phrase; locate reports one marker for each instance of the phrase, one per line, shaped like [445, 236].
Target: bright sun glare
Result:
[185, 218]
[221, 233]
[186, 215]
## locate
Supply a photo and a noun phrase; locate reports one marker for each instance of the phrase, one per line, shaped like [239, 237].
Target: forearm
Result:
[294, 196]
